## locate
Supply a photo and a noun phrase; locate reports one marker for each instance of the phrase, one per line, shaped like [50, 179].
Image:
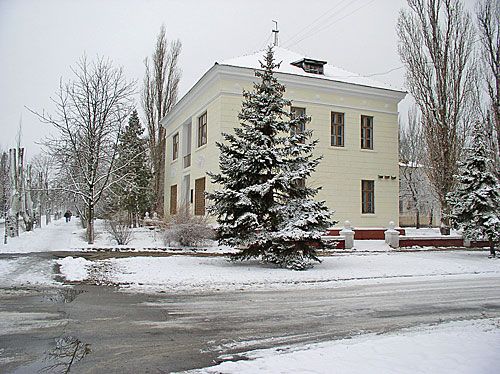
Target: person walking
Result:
[68, 215]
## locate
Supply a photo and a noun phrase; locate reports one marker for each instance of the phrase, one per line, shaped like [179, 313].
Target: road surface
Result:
[98, 329]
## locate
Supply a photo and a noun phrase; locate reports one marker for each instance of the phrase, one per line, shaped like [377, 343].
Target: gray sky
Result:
[39, 40]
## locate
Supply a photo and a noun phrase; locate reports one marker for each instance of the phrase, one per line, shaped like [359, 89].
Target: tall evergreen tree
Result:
[476, 201]
[263, 206]
[133, 193]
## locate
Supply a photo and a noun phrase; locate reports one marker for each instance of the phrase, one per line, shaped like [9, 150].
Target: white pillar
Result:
[392, 236]
[348, 235]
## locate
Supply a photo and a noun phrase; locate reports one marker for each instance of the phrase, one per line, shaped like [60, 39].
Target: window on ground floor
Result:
[367, 196]
[173, 199]
[199, 197]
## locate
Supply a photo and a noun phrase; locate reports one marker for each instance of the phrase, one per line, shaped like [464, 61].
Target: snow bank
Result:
[199, 274]
[430, 232]
[432, 349]
[74, 268]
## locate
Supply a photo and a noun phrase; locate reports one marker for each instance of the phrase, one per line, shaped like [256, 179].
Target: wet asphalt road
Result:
[106, 331]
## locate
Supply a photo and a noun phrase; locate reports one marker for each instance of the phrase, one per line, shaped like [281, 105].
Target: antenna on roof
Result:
[275, 31]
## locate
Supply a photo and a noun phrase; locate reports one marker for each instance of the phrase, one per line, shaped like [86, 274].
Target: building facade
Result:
[354, 118]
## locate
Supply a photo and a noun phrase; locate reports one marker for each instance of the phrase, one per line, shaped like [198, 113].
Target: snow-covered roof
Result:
[287, 57]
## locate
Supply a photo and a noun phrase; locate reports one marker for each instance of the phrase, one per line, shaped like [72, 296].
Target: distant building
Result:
[355, 119]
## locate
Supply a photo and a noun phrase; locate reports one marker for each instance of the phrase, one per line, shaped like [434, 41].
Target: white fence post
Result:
[392, 236]
[348, 235]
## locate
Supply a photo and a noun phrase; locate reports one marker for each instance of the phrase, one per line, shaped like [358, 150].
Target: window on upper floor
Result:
[175, 146]
[367, 196]
[366, 132]
[337, 129]
[296, 113]
[202, 129]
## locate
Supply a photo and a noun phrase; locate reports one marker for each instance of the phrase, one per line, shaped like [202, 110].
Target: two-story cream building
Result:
[354, 118]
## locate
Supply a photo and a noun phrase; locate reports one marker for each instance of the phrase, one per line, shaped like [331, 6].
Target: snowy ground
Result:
[371, 260]
[62, 236]
[58, 235]
[432, 349]
[429, 232]
[69, 236]
[199, 274]
[25, 271]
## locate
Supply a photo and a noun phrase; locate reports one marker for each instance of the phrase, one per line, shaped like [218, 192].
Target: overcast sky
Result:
[40, 40]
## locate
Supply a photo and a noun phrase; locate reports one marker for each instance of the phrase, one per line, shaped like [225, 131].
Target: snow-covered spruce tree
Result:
[133, 193]
[263, 207]
[476, 201]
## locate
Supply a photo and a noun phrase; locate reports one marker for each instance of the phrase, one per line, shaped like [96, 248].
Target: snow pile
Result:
[432, 349]
[200, 274]
[74, 268]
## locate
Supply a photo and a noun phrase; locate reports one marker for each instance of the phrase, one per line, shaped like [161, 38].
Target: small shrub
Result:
[187, 230]
[118, 227]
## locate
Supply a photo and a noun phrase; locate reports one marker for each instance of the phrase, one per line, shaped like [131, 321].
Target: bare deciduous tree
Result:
[411, 154]
[89, 116]
[436, 45]
[43, 174]
[488, 21]
[4, 189]
[159, 94]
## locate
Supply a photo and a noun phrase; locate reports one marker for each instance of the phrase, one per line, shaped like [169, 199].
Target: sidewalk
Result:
[56, 236]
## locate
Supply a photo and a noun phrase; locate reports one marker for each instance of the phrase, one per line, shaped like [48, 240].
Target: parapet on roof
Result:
[294, 63]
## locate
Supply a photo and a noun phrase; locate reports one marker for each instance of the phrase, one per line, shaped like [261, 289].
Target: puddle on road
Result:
[64, 295]
[67, 352]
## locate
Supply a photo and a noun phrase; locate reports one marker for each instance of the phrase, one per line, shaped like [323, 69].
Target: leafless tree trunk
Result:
[90, 113]
[4, 191]
[159, 94]
[488, 21]
[411, 152]
[436, 45]
[43, 166]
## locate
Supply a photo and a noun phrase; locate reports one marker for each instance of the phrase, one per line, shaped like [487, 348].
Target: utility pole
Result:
[275, 32]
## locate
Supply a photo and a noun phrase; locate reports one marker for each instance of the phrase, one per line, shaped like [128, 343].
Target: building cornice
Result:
[330, 85]
[289, 80]
[191, 95]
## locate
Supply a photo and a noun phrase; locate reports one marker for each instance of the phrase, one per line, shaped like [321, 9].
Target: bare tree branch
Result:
[159, 95]
[90, 113]
[436, 45]
[488, 21]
